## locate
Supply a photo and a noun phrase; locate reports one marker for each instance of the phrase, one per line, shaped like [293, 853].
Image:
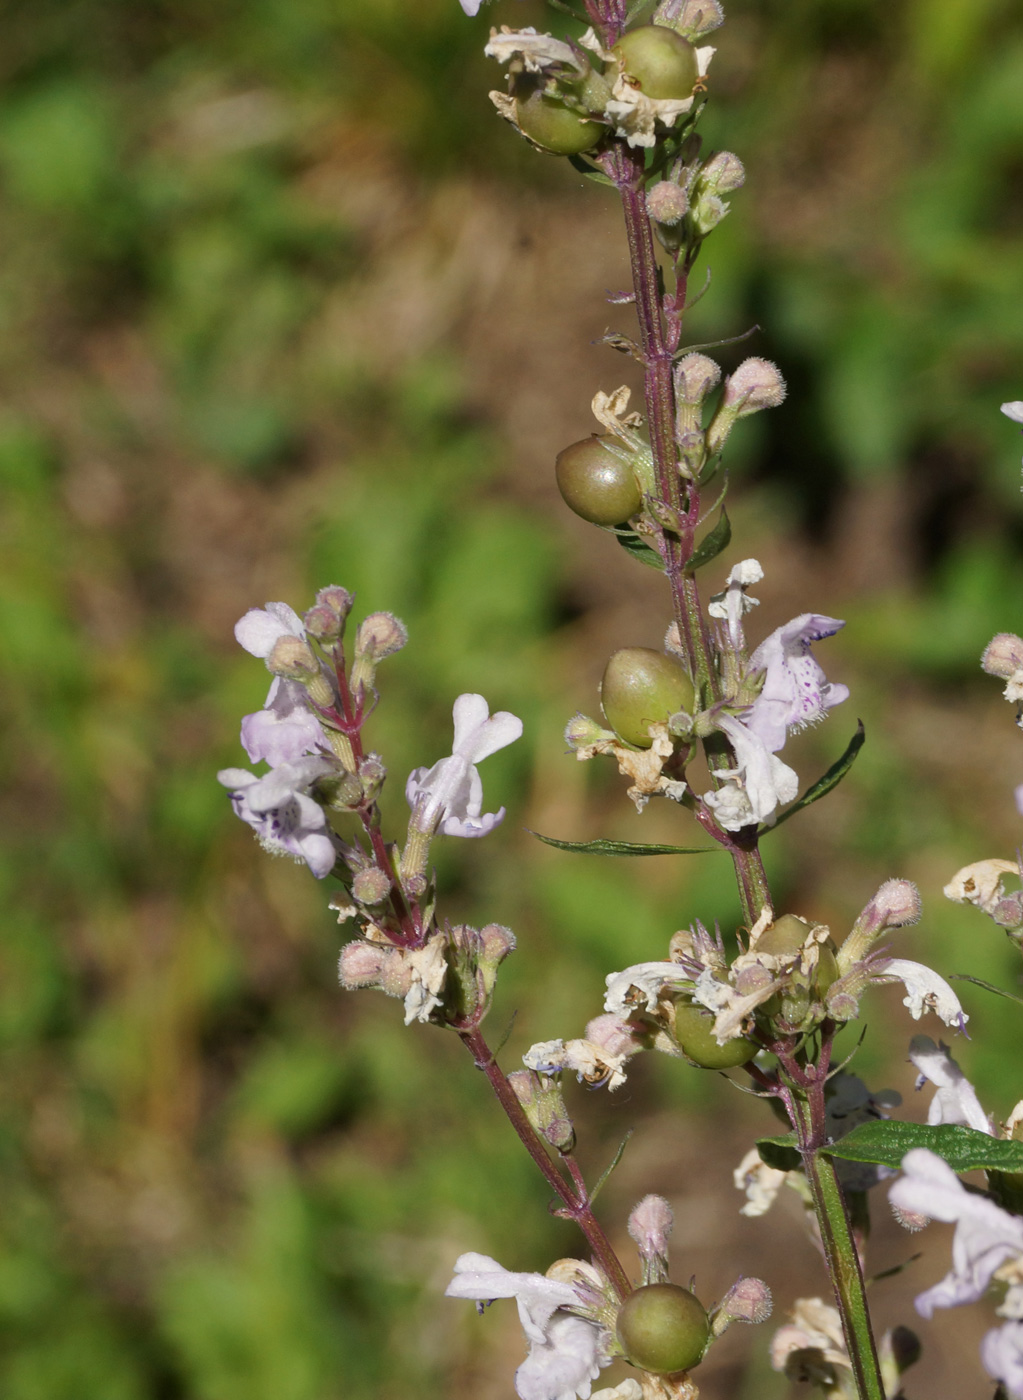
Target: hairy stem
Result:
[805, 1105]
[575, 1199]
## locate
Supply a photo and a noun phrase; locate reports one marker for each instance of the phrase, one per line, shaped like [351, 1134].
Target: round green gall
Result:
[694, 1031]
[554, 126]
[660, 62]
[643, 687]
[596, 483]
[785, 937]
[663, 1328]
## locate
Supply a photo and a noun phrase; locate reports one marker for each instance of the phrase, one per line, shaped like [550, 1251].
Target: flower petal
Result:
[261, 629]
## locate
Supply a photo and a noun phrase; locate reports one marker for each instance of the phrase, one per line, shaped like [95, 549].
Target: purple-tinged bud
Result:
[666, 203]
[371, 776]
[379, 635]
[292, 659]
[695, 376]
[1008, 912]
[690, 18]
[323, 625]
[363, 964]
[495, 943]
[896, 904]
[1003, 655]
[542, 1100]
[611, 1033]
[723, 172]
[749, 1300]
[910, 1220]
[755, 385]
[650, 1225]
[371, 886]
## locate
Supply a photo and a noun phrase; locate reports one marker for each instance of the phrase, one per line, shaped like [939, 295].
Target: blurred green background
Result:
[282, 304]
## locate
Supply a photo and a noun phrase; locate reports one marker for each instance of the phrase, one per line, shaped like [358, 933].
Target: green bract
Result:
[785, 936]
[554, 126]
[660, 62]
[596, 483]
[694, 1031]
[643, 687]
[663, 1328]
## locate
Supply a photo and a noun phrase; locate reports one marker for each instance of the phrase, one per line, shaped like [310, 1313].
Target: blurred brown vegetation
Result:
[282, 304]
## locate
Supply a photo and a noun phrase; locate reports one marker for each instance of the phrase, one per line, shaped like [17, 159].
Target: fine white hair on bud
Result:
[695, 376]
[723, 172]
[666, 203]
[896, 904]
[1003, 655]
[650, 1225]
[380, 634]
[755, 385]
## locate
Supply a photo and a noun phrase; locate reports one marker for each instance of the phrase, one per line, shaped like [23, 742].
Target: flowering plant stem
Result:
[804, 1100]
[677, 549]
[577, 1205]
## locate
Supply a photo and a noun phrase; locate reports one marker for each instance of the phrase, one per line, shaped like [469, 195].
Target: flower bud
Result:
[326, 619]
[749, 1300]
[371, 776]
[695, 376]
[690, 18]
[545, 1107]
[371, 886]
[362, 964]
[598, 482]
[641, 687]
[666, 202]
[663, 1328]
[380, 634]
[658, 61]
[496, 942]
[650, 1226]
[292, 659]
[755, 385]
[1003, 655]
[581, 732]
[896, 904]
[707, 212]
[723, 172]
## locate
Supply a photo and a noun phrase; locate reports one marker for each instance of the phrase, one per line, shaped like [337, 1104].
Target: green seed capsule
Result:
[554, 126]
[785, 937]
[663, 1328]
[596, 483]
[660, 62]
[694, 1031]
[642, 687]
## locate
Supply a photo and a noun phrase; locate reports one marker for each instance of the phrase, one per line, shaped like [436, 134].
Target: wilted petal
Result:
[641, 984]
[927, 991]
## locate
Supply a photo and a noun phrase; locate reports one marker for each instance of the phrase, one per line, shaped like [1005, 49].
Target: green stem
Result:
[840, 1252]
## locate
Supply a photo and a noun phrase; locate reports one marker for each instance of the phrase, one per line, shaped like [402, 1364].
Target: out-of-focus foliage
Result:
[258, 263]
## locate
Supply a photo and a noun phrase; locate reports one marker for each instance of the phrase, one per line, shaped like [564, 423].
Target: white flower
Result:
[471, 7]
[760, 1182]
[285, 818]
[449, 796]
[927, 991]
[986, 1236]
[261, 629]
[644, 983]
[756, 786]
[538, 52]
[956, 1100]
[1001, 1353]
[566, 1352]
[1014, 410]
[796, 692]
[981, 883]
[286, 729]
[733, 601]
[428, 967]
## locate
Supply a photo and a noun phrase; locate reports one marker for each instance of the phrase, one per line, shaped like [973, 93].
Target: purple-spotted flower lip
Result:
[796, 692]
[449, 796]
[279, 809]
[566, 1352]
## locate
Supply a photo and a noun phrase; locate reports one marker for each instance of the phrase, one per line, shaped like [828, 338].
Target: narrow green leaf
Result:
[886, 1142]
[988, 986]
[712, 544]
[639, 549]
[603, 847]
[780, 1152]
[583, 168]
[831, 779]
[605, 1174]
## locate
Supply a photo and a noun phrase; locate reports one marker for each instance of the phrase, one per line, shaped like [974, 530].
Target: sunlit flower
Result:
[926, 990]
[796, 692]
[286, 729]
[566, 1352]
[733, 601]
[449, 796]
[285, 818]
[956, 1100]
[1001, 1353]
[758, 784]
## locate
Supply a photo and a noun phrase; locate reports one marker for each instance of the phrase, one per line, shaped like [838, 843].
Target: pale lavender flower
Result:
[285, 818]
[956, 1100]
[758, 783]
[286, 729]
[449, 796]
[926, 991]
[986, 1236]
[471, 7]
[261, 629]
[1001, 1353]
[566, 1352]
[796, 692]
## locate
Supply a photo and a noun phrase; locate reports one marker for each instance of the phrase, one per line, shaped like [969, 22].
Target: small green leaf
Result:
[780, 1152]
[583, 168]
[988, 986]
[639, 549]
[712, 544]
[603, 847]
[885, 1143]
[823, 785]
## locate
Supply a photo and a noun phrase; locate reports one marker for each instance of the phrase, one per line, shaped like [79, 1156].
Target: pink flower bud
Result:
[1003, 655]
[292, 659]
[695, 376]
[755, 385]
[379, 635]
[749, 1300]
[371, 886]
[650, 1226]
[362, 965]
[666, 203]
[612, 1034]
[723, 172]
